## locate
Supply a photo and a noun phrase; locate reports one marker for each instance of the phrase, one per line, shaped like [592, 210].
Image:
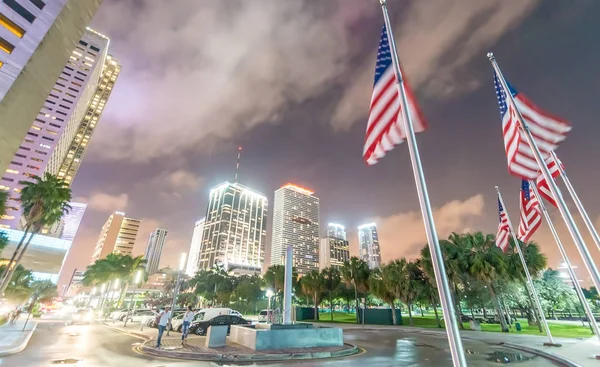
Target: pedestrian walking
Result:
[187, 321]
[162, 322]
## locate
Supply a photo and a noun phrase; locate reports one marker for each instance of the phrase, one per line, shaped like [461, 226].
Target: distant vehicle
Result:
[140, 315]
[201, 327]
[82, 317]
[264, 315]
[209, 313]
[236, 313]
[152, 322]
[116, 314]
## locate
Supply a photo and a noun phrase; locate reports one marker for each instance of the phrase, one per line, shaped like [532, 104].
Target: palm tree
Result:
[3, 198]
[44, 201]
[18, 289]
[128, 269]
[487, 264]
[428, 293]
[356, 272]
[381, 281]
[104, 271]
[314, 285]
[331, 280]
[409, 276]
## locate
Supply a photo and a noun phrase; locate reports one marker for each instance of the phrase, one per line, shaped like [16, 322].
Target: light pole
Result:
[136, 281]
[176, 291]
[269, 313]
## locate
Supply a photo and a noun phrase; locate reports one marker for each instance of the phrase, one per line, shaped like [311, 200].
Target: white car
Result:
[116, 314]
[264, 316]
[140, 315]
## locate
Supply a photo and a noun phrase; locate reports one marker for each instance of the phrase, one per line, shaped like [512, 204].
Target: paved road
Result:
[96, 346]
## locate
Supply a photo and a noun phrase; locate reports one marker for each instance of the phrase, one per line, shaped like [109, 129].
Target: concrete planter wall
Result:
[286, 338]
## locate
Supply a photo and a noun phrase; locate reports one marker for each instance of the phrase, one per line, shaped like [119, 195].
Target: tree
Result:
[487, 264]
[249, 290]
[356, 272]
[18, 289]
[428, 293]
[44, 201]
[3, 235]
[555, 293]
[104, 271]
[331, 280]
[314, 285]
[186, 299]
[380, 281]
[128, 267]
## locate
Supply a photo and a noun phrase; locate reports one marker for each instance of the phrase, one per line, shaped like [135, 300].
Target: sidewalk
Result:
[13, 339]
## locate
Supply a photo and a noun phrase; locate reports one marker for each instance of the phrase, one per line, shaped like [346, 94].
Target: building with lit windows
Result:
[49, 138]
[296, 223]
[42, 35]
[154, 250]
[68, 226]
[72, 161]
[194, 253]
[117, 235]
[334, 250]
[235, 230]
[368, 245]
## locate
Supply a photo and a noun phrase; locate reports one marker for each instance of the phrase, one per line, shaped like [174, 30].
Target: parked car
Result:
[264, 315]
[152, 323]
[116, 314]
[82, 317]
[141, 315]
[201, 327]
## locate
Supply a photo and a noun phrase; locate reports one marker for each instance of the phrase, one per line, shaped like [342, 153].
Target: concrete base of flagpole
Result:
[548, 344]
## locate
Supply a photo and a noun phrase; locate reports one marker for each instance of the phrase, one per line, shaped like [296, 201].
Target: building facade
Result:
[154, 250]
[47, 142]
[194, 254]
[368, 245]
[296, 224]
[117, 235]
[334, 250]
[235, 230]
[335, 230]
[42, 35]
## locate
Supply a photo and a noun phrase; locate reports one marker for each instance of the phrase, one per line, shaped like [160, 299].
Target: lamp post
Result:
[136, 281]
[269, 313]
[176, 291]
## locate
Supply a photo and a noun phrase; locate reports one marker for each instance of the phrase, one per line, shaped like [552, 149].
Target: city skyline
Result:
[315, 137]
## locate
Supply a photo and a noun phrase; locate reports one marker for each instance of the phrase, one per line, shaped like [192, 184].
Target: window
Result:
[11, 26]
[47, 138]
[20, 155]
[6, 46]
[66, 67]
[12, 171]
[39, 3]
[19, 9]
[16, 163]
[83, 43]
[92, 47]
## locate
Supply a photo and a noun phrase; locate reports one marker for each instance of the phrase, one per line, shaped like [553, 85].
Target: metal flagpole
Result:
[585, 304]
[562, 206]
[588, 223]
[530, 285]
[454, 341]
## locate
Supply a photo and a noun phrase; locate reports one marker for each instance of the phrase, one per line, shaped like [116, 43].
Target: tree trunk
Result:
[11, 271]
[437, 317]
[484, 312]
[316, 307]
[498, 310]
[394, 321]
[421, 308]
[122, 295]
[533, 312]
[410, 314]
[356, 298]
[331, 305]
[458, 311]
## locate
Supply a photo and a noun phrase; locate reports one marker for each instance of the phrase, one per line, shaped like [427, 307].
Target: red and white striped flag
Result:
[385, 128]
[531, 214]
[547, 130]
[542, 184]
[503, 234]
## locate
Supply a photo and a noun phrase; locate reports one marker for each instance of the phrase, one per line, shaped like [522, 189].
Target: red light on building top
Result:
[298, 189]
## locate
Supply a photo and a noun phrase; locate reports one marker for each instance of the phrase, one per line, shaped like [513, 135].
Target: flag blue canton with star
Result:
[501, 95]
[525, 188]
[500, 208]
[384, 55]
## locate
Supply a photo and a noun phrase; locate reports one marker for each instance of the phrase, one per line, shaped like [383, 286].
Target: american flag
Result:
[531, 214]
[542, 184]
[547, 130]
[385, 128]
[503, 234]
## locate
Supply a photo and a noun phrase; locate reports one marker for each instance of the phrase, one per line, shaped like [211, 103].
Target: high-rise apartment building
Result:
[117, 235]
[37, 37]
[47, 143]
[334, 250]
[235, 230]
[72, 161]
[156, 243]
[68, 226]
[194, 254]
[296, 223]
[368, 245]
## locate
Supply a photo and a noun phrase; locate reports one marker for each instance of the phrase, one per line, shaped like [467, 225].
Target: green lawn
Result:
[428, 321]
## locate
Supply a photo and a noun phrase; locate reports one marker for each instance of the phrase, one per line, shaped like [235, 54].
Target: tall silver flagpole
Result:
[456, 348]
[530, 285]
[562, 206]
[586, 219]
[563, 253]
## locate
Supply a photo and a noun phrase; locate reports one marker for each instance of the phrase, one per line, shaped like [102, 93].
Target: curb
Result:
[551, 356]
[210, 357]
[130, 333]
[20, 347]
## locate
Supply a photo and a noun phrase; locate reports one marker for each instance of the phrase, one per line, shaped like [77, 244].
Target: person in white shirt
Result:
[187, 321]
[163, 320]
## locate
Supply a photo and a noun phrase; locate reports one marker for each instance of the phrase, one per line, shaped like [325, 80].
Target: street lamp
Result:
[269, 313]
[176, 291]
[136, 281]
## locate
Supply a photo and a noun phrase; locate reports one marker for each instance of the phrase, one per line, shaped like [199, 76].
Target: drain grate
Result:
[66, 361]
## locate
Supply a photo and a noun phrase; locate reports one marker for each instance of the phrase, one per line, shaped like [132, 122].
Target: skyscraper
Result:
[368, 245]
[72, 161]
[296, 223]
[47, 143]
[194, 254]
[117, 235]
[235, 230]
[334, 250]
[154, 249]
[41, 35]
[68, 226]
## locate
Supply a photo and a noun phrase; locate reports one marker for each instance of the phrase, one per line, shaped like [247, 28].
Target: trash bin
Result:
[518, 326]
[475, 325]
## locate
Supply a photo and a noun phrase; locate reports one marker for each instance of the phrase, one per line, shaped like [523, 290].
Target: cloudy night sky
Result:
[290, 81]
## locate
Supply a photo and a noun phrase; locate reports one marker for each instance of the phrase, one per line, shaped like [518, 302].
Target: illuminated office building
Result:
[154, 250]
[296, 223]
[117, 235]
[235, 230]
[334, 250]
[194, 254]
[368, 245]
[336, 231]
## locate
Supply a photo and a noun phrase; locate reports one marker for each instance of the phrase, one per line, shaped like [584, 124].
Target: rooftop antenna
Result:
[237, 165]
